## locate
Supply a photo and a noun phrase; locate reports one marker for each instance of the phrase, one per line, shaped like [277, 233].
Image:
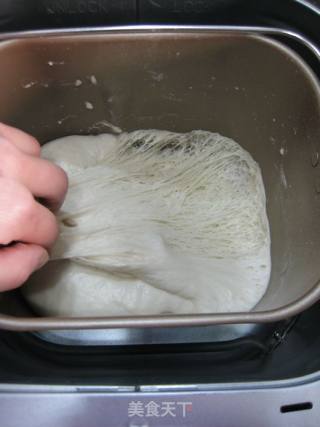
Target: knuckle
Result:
[50, 224]
[54, 227]
[63, 178]
[28, 208]
[24, 210]
[15, 205]
[59, 191]
[34, 143]
[9, 159]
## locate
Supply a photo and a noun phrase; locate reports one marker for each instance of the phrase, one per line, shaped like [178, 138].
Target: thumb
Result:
[18, 261]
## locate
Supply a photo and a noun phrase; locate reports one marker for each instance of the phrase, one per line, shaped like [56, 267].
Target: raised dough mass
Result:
[155, 222]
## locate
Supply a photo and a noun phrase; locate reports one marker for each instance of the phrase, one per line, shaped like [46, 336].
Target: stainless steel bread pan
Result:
[245, 83]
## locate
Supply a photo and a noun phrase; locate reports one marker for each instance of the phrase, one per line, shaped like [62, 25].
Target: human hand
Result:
[31, 190]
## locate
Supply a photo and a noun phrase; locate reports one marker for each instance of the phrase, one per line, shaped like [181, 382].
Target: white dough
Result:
[155, 222]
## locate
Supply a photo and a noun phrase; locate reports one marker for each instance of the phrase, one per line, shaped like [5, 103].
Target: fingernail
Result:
[43, 260]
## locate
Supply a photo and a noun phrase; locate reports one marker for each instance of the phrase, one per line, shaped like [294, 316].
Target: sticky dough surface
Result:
[155, 222]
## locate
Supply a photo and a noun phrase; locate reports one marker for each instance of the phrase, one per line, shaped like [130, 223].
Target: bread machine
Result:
[246, 69]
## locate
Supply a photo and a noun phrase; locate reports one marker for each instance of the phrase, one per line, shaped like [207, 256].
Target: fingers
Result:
[17, 262]
[22, 218]
[27, 228]
[26, 143]
[42, 178]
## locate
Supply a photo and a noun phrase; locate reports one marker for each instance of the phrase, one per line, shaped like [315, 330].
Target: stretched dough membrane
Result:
[155, 222]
